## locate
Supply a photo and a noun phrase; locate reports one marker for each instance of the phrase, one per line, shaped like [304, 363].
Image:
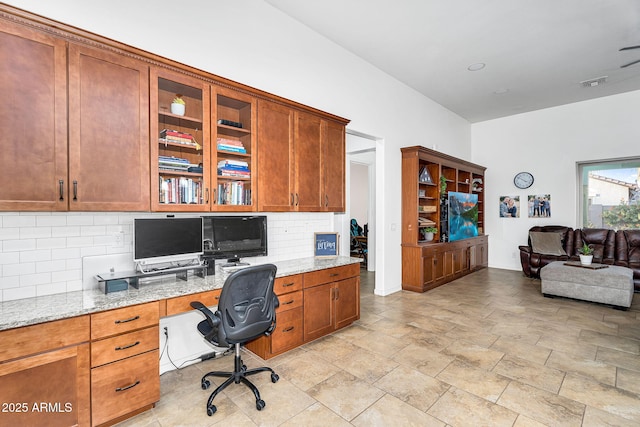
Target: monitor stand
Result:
[234, 262]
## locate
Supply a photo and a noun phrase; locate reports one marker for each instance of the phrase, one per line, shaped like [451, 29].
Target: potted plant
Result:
[427, 233]
[178, 105]
[586, 254]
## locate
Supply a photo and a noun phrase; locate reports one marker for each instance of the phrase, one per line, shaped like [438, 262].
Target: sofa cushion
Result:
[546, 243]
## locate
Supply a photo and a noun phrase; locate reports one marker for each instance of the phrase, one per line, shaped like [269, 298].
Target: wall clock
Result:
[523, 180]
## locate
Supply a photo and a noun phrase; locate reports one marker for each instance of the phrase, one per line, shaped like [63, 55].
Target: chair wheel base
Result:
[260, 404]
[205, 384]
[274, 378]
[211, 410]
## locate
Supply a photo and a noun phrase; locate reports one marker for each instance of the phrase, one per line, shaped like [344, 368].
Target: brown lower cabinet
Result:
[311, 305]
[102, 368]
[427, 266]
[124, 362]
[44, 374]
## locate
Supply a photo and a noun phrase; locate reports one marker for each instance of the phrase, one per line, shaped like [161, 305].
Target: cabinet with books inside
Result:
[441, 193]
[180, 148]
[233, 171]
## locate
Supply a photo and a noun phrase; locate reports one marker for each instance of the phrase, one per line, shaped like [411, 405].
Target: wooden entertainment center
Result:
[427, 177]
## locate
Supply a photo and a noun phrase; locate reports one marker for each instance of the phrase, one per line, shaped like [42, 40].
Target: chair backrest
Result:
[247, 305]
[356, 230]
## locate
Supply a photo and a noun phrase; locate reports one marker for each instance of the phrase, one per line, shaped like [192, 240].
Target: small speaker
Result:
[210, 263]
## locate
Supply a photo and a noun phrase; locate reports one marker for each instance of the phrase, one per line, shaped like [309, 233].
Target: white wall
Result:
[251, 42]
[359, 198]
[548, 143]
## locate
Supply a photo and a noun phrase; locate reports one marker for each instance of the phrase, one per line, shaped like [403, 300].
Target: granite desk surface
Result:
[31, 311]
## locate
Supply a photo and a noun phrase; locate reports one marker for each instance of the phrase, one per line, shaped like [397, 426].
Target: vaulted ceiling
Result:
[535, 53]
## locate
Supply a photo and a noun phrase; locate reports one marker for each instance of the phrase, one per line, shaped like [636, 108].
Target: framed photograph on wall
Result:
[509, 206]
[539, 205]
[326, 245]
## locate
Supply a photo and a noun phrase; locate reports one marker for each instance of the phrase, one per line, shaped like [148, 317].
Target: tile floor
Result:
[485, 350]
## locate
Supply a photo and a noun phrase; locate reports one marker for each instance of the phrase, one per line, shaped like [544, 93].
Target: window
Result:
[609, 196]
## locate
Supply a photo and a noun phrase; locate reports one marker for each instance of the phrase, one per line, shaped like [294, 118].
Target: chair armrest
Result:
[208, 314]
[525, 249]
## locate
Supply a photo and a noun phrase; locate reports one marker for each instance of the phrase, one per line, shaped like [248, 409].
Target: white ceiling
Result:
[537, 50]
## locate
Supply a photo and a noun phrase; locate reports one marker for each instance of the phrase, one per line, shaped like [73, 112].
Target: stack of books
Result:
[180, 190]
[234, 168]
[177, 137]
[232, 145]
[425, 222]
[173, 163]
[234, 193]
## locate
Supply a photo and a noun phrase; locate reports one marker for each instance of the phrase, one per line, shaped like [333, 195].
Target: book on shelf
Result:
[230, 142]
[425, 222]
[180, 191]
[233, 163]
[232, 149]
[229, 123]
[234, 173]
[234, 193]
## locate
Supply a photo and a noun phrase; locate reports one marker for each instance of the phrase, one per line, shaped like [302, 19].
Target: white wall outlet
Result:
[118, 239]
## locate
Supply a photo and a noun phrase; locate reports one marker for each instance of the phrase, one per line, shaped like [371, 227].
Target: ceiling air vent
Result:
[594, 82]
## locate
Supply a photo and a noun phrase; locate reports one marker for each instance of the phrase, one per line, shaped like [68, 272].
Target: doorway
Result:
[360, 186]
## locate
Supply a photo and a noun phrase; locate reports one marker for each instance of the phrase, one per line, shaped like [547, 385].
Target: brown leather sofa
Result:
[601, 240]
[532, 262]
[610, 247]
[628, 253]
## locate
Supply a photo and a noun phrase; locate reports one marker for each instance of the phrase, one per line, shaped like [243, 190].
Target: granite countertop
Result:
[30, 311]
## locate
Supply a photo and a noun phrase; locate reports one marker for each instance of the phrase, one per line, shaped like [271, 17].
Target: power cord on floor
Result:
[206, 356]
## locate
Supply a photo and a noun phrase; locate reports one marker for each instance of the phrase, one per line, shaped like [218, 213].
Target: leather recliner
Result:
[601, 240]
[628, 253]
[532, 262]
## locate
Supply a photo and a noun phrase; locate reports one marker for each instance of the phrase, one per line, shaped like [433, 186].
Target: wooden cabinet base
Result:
[425, 267]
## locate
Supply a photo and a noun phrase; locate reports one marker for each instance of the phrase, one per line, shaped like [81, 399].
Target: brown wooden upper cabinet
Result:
[180, 143]
[33, 119]
[234, 163]
[108, 131]
[300, 161]
[333, 165]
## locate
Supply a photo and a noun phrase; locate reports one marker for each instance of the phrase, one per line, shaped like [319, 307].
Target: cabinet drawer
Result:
[123, 320]
[328, 275]
[288, 332]
[122, 387]
[286, 284]
[43, 337]
[183, 304]
[122, 346]
[289, 301]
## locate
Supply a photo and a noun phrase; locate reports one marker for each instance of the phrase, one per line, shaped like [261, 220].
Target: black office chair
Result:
[246, 310]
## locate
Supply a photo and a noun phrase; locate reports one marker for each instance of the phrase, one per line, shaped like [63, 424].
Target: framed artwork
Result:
[325, 245]
[463, 215]
[509, 206]
[539, 205]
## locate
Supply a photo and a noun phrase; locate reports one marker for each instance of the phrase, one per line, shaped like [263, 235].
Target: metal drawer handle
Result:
[124, 347]
[288, 302]
[127, 320]
[285, 285]
[334, 274]
[128, 387]
[289, 329]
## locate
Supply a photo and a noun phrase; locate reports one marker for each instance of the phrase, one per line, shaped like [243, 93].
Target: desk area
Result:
[74, 335]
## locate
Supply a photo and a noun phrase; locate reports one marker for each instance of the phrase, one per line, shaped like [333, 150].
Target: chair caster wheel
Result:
[260, 404]
[211, 410]
[205, 385]
[274, 378]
